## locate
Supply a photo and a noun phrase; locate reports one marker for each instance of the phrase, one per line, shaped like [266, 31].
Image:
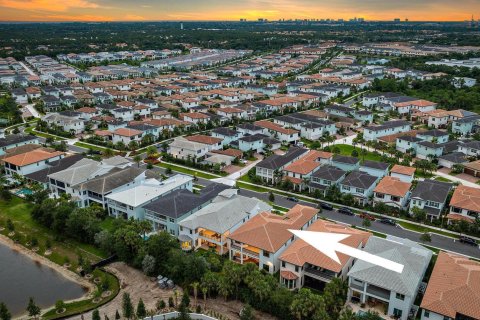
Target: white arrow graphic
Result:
[329, 244]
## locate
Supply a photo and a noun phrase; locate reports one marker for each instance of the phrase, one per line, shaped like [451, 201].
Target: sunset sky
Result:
[139, 10]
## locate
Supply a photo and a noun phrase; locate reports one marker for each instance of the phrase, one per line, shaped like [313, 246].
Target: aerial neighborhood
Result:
[220, 153]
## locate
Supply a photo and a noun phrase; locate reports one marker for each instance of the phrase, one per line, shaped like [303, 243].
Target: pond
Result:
[21, 278]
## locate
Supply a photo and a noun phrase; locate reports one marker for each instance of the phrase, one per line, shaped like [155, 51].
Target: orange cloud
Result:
[48, 5]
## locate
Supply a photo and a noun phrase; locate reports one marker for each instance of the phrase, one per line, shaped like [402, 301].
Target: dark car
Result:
[346, 211]
[292, 199]
[367, 216]
[468, 240]
[388, 221]
[325, 206]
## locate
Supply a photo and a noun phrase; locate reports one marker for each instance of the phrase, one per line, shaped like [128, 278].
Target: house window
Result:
[346, 188]
[426, 313]
[400, 296]
[395, 199]
[266, 254]
[397, 312]
[296, 268]
[283, 264]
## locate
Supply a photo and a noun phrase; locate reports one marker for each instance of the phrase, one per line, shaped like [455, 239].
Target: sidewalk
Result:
[456, 179]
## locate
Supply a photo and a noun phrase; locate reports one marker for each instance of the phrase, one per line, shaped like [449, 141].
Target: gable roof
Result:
[375, 165]
[300, 252]
[269, 232]
[411, 255]
[329, 173]
[454, 287]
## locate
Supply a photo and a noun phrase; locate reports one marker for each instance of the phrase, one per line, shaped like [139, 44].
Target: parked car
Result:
[292, 199]
[388, 221]
[346, 211]
[367, 216]
[468, 240]
[325, 206]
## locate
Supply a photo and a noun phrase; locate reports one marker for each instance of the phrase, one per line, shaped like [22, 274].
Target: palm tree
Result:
[151, 151]
[107, 153]
[204, 292]
[195, 286]
[137, 159]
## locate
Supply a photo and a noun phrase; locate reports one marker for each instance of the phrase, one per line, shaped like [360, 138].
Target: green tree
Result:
[4, 313]
[426, 237]
[366, 223]
[247, 313]
[271, 197]
[141, 311]
[96, 315]
[32, 309]
[127, 306]
[304, 304]
[137, 159]
[419, 214]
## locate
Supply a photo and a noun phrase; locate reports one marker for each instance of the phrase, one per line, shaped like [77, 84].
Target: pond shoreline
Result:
[37, 258]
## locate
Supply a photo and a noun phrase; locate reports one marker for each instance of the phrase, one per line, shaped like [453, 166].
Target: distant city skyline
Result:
[251, 10]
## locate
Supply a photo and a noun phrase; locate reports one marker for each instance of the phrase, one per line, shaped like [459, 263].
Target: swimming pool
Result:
[24, 191]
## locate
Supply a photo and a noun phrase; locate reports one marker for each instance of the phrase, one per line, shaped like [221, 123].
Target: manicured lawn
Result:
[66, 250]
[442, 179]
[88, 146]
[18, 210]
[44, 135]
[414, 227]
[250, 187]
[346, 150]
[191, 172]
[82, 306]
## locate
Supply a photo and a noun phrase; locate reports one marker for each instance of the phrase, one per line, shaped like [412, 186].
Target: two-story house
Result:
[270, 169]
[465, 204]
[302, 264]
[430, 196]
[265, 237]
[31, 161]
[16, 140]
[392, 192]
[360, 185]
[326, 177]
[396, 292]
[165, 212]
[373, 132]
[210, 226]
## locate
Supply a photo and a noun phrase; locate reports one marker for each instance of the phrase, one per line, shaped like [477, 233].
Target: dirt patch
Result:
[135, 283]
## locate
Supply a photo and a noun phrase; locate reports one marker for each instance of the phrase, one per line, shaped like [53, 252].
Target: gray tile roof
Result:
[16, 138]
[115, 178]
[413, 256]
[55, 166]
[278, 161]
[180, 202]
[224, 212]
[359, 179]
[432, 190]
[375, 165]
[329, 173]
[345, 159]
[455, 157]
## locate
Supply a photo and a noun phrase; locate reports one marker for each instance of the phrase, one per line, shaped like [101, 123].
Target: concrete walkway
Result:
[32, 110]
[230, 179]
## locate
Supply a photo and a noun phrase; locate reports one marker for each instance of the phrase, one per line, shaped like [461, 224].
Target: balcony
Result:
[378, 292]
[208, 235]
[244, 250]
[357, 287]
[324, 275]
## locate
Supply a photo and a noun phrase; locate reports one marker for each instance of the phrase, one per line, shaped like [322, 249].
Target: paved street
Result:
[437, 241]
